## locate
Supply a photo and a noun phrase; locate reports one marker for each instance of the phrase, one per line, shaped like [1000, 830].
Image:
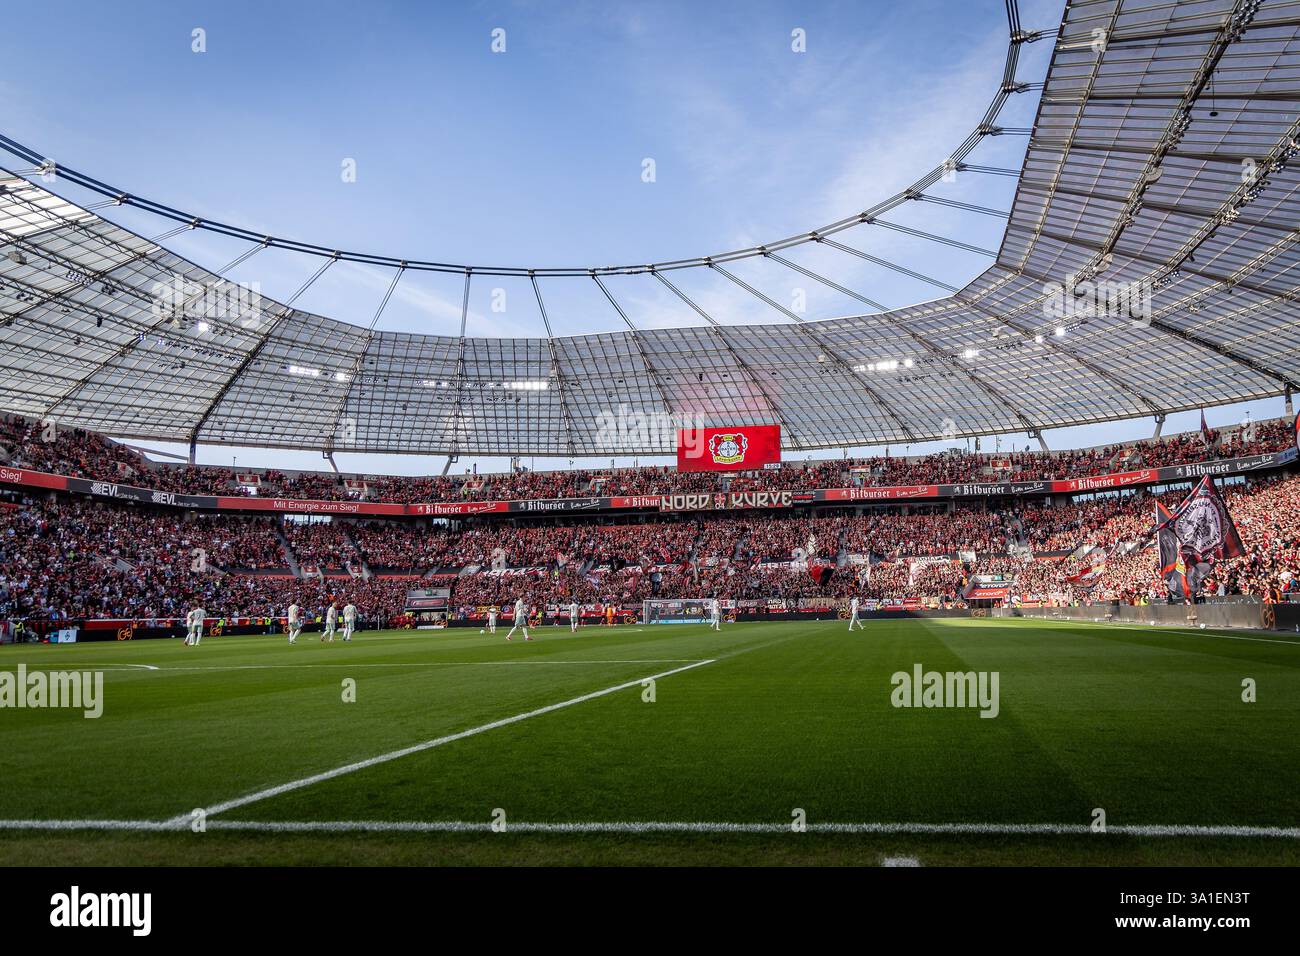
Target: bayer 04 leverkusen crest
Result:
[728, 448]
[742, 448]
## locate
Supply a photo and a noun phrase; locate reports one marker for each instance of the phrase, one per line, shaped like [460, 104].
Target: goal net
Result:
[679, 611]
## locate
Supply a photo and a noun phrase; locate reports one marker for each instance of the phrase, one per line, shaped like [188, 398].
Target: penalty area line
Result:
[184, 818]
[666, 826]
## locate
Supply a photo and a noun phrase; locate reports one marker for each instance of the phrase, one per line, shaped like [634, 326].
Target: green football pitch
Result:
[764, 743]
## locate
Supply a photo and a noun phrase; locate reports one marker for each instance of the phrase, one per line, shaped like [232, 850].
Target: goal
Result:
[678, 611]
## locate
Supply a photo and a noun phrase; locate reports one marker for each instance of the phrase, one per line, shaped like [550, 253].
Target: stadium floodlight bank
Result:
[677, 611]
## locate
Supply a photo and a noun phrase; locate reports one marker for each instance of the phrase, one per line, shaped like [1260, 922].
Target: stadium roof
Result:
[1158, 162]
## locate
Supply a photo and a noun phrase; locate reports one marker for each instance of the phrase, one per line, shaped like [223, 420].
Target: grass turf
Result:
[1147, 724]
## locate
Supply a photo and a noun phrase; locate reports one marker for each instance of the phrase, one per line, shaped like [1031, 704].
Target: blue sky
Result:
[534, 156]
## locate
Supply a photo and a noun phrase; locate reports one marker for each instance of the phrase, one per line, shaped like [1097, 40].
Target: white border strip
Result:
[183, 819]
[657, 826]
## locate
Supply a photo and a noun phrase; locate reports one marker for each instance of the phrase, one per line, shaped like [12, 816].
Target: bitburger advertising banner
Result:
[696, 501]
[879, 493]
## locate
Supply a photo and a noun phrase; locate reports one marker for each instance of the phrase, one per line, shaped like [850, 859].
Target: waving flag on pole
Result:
[1193, 536]
[1092, 566]
[1204, 527]
[1172, 569]
[1208, 434]
[820, 570]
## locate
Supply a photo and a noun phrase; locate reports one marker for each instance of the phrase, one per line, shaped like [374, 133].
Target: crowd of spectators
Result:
[46, 447]
[63, 558]
[68, 557]
[323, 546]
[1267, 516]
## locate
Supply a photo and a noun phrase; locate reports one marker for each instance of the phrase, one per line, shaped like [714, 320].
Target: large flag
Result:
[1172, 569]
[1193, 536]
[1205, 529]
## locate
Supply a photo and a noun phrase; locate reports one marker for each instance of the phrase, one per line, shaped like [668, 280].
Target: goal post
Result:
[675, 611]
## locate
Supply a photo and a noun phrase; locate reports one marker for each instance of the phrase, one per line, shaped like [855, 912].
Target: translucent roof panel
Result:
[1162, 161]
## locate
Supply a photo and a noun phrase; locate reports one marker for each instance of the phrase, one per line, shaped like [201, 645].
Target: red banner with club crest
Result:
[743, 448]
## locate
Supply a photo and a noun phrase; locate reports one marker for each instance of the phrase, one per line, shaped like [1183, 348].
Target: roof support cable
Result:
[969, 207]
[457, 411]
[635, 335]
[794, 317]
[750, 374]
[988, 170]
[953, 243]
[271, 327]
[827, 282]
[826, 352]
[927, 346]
[888, 265]
[354, 370]
[557, 372]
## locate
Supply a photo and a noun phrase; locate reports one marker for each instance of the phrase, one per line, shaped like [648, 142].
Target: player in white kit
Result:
[295, 623]
[715, 615]
[853, 615]
[520, 619]
[331, 622]
[492, 619]
[349, 620]
[194, 626]
[573, 616]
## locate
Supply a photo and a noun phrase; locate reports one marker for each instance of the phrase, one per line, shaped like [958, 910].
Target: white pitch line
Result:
[85, 825]
[258, 667]
[75, 667]
[665, 826]
[275, 791]
[1168, 628]
[526, 663]
[1234, 637]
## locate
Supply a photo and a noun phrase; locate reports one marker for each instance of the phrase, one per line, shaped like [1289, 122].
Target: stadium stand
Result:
[84, 454]
[63, 556]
